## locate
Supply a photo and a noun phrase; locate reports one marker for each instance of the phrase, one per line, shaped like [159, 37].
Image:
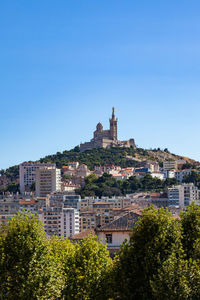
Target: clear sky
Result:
[64, 64]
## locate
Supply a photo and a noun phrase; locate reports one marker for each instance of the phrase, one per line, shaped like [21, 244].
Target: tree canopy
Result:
[161, 260]
[107, 185]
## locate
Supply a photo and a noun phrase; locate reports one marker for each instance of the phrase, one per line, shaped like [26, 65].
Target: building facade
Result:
[183, 195]
[169, 165]
[27, 174]
[48, 180]
[69, 222]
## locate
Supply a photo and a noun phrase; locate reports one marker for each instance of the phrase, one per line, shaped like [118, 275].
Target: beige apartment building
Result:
[48, 180]
[87, 220]
[99, 214]
[182, 195]
[27, 174]
[169, 165]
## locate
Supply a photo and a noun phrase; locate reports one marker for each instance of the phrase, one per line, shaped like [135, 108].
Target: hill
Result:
[124, 157]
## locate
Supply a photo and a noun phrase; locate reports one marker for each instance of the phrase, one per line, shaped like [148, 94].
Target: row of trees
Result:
[34, 267]
[107, 185]
[161, 261]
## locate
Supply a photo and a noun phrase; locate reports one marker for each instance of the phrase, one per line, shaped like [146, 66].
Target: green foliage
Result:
[177, 278]
[172, 282]
[27, 268]
[86, 271]
[190, 220]
[188, 165]
[154, 238]
[11, 187]
[107, 185]
[11, 173]
[94, 157]
[32, 188]
[193, 177]
[161, 261]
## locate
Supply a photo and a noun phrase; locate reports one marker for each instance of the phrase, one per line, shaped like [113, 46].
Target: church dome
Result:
[99, 127]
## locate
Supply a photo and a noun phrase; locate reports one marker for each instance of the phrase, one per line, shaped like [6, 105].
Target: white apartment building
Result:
[169, 165]
[158, 175]
[182, 195]
[27, 174]
[69, 222]
[169, 174]
[48, 180]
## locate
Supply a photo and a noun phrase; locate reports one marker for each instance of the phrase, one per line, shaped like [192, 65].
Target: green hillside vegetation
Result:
[161, 261]
[107, 185]
[123, 157]
[95, 157]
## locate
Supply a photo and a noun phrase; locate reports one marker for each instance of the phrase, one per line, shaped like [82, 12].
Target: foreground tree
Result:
[87, 271]
[177, 279]
[27, 268]
[154, 238]
[172, 280]
[190, 221]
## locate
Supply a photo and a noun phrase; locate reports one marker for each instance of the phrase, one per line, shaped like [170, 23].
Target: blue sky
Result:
[64, 64]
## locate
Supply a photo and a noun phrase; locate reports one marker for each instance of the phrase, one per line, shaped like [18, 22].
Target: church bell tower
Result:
[113, 126]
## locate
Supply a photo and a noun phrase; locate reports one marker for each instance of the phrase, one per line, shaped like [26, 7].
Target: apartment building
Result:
[9, 206]
[31, 205]
[69, 222]
[60, 220]
[169, 174]
[116, 202]
[99, 214]
[103, 212]
[182, 195]
[51, 218]
[63, 199]
[27, 174]
[72, 201]
[87, 220]
[48, 180]
[169, 165]
[153, 166]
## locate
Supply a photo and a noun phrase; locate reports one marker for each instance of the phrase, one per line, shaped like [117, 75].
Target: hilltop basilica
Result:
[106, 138]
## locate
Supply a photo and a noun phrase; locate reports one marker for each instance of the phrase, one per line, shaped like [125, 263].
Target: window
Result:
[109, 238]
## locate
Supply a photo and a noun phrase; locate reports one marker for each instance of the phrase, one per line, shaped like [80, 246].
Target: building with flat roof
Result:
[69, 222]
[182, 195]
[27, 174]
[48, 180]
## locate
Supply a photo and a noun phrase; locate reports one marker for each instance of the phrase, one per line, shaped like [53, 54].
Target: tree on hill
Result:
[93, 157]
[11, 187]
[107, 185]
[194, 177]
